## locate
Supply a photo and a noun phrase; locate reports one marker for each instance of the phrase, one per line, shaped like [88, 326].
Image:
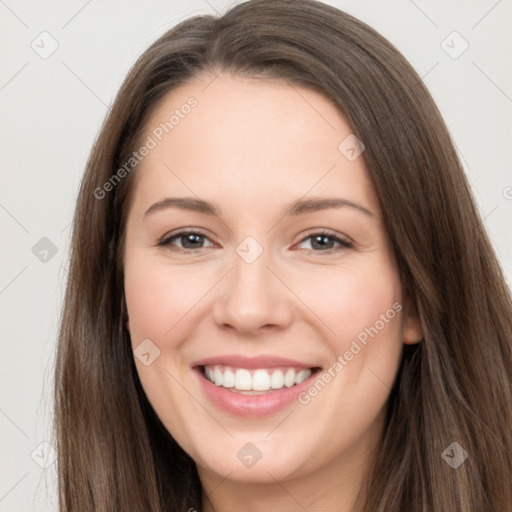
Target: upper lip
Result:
[261, 361]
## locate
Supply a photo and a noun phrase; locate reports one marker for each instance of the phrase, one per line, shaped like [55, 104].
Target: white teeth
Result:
[261, 380]
[228, 379]
[241, 379]
[217, 374]
[277, 380]
[302, 376]
[289, 378]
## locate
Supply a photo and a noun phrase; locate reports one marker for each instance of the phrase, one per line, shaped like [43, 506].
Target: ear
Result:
[412, 331]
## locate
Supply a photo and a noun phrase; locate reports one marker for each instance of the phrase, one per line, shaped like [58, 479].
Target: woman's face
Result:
[287, 257]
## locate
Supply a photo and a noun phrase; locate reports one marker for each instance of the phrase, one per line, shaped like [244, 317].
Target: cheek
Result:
[362, 312]
[158, 297]
[351, 300]
[158, 300]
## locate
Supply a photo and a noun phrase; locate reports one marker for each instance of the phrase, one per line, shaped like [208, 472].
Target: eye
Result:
[324, 241]
[189, 240]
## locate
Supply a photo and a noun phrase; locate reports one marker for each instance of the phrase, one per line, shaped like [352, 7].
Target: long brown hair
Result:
[454, 386]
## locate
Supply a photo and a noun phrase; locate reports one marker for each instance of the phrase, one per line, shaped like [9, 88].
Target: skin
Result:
[252, 148]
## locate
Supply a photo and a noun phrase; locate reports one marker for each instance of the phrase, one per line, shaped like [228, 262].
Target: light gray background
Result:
[51, 110]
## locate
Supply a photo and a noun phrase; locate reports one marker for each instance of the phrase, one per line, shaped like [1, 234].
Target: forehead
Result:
[249, 139]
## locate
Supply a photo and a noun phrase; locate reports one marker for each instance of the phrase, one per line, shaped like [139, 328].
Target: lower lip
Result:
[251, 406]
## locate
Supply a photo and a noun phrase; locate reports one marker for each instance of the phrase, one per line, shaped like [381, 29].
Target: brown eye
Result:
[325, 242]
[188, 240]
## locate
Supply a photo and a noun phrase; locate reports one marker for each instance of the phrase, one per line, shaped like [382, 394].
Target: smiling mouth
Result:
[259, 381]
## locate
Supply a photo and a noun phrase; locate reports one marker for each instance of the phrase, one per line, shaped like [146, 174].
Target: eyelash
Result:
[166, 241]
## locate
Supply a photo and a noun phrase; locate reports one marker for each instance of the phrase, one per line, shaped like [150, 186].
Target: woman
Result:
[281, 295]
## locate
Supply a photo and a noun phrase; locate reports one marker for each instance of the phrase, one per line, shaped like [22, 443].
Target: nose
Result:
[253, 298]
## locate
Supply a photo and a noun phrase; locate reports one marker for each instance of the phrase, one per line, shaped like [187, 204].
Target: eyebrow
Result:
[299, 207]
